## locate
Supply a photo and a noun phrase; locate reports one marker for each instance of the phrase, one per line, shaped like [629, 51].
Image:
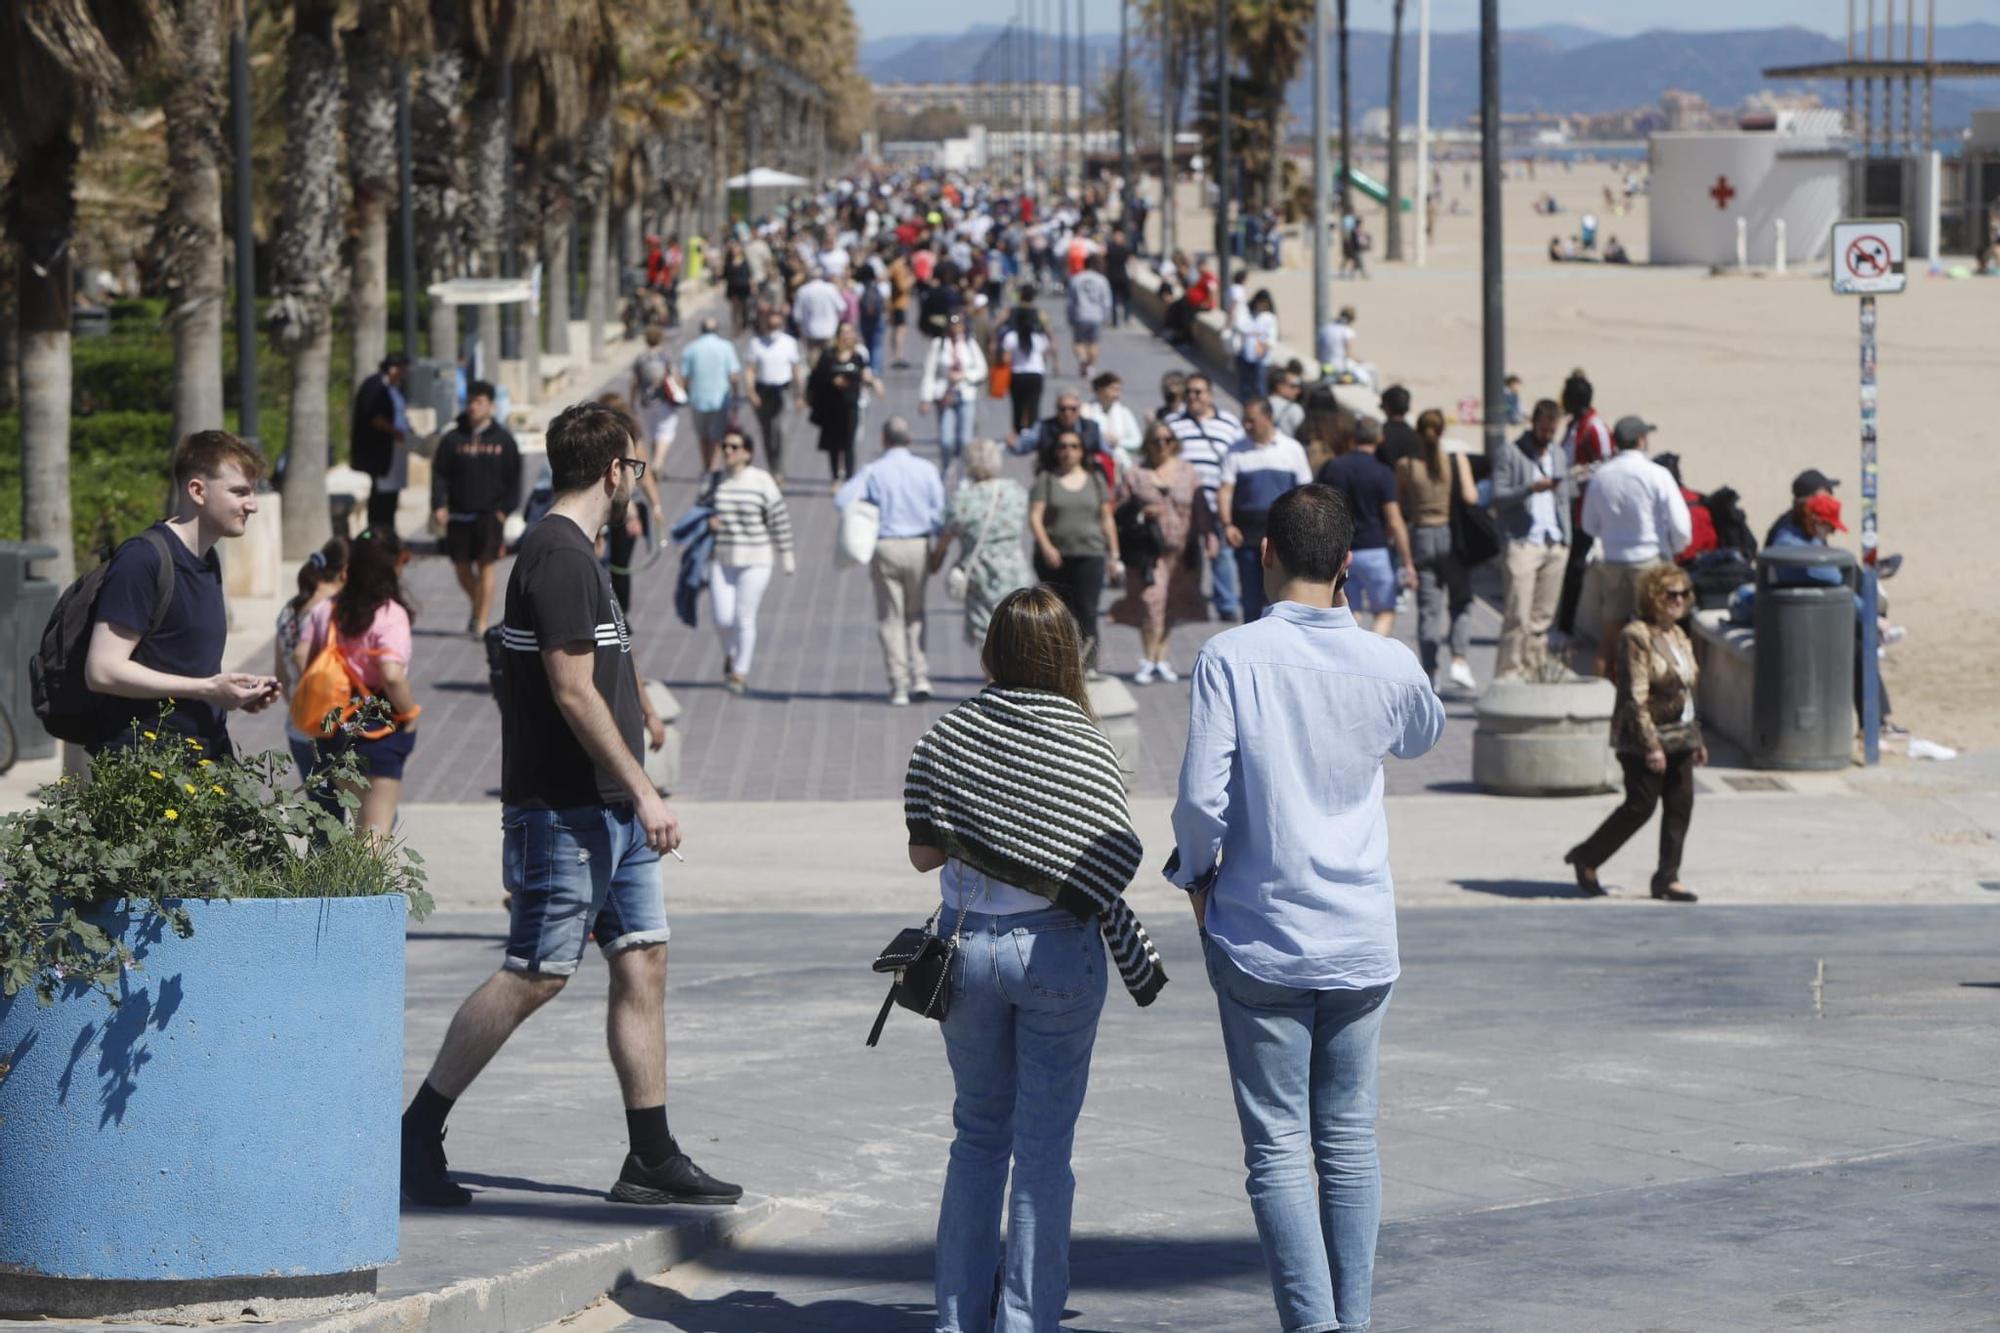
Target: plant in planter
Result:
[201, 1009]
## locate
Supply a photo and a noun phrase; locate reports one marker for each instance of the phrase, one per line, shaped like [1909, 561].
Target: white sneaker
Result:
[1166, 671]
[1461, 675]
[898, 699]
[1144, 675]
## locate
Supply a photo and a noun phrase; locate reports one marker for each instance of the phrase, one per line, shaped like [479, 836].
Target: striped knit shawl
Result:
[1021, 786]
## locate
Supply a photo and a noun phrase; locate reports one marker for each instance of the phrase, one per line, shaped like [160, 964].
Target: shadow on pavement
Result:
[1521, 888]
[520, 1183]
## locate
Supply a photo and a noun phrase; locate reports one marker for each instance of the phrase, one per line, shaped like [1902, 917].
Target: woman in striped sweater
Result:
[751, 526]
[1016, 796]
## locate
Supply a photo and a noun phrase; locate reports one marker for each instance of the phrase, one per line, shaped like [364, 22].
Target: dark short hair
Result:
[1262, 404]
[1577, 393]
[481, 389]
[1548, 405]
[1395, 400]
[203, 454]
[1105, 379]
[583, 441]
[1311, 530]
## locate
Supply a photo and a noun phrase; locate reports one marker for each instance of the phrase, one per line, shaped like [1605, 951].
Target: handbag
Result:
[999, 378]
[860, 527]
[957, 581]
[922, 966]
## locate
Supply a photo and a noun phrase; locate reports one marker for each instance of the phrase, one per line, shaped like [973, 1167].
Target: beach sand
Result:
[1750, 380]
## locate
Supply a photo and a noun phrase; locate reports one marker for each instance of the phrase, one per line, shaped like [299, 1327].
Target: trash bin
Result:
[1803, 714]
[434, 384]
[25, 604]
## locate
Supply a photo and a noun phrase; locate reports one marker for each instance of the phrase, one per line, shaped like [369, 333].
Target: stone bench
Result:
[1726, 695]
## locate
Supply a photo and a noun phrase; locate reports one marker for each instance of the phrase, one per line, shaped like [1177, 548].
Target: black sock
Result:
[427, 1111]
[647, 1128]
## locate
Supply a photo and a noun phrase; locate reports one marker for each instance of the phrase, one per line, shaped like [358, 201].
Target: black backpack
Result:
[69, 709]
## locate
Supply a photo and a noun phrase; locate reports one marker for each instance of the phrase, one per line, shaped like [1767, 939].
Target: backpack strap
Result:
[163, 584]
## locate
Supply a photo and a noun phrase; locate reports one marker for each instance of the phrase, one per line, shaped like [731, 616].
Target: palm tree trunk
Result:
[1346, 116]
[10, 334]
[594, 191]
[1392, 243]
[437, 172]
[555, 282]
[44, 213]
[308, 264]
[487, 144]
[371, 153]
[190, 235]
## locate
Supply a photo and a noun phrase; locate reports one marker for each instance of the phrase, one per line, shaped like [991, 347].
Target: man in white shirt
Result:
[1635, 511]
[1115, 423]
[776, 365]
[1206, 434]
[1335, 350]
[1259, 467]
[817, 310]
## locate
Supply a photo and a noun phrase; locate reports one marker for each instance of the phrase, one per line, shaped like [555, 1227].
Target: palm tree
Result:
[1346, 109]
[307, 254]
[66, 61]
[1392, 244]
[567, 84]
[189, 236]
[438, 166]
[1273, 37]
[385, 33]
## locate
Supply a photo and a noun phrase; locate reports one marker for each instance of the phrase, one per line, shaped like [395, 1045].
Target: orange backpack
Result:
[327, 686]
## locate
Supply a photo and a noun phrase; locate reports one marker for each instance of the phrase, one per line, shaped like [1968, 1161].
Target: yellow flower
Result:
[152, 735]
[208, 763]
[189, 786]
[194, 744]
[216, 787]
[158, 774]
[173, 814]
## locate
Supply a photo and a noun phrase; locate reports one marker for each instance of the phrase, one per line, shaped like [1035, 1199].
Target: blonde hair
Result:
[1033, 643]
[983, 460]
[1650, 595]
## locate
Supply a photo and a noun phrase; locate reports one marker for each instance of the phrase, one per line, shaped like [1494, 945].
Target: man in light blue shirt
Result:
[1283, 846]
[910, 495]
[711, 370]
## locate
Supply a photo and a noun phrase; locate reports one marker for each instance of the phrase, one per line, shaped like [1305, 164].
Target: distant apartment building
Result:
[981, 101]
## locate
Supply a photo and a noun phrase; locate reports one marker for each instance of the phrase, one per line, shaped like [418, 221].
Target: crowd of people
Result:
[1310, 522]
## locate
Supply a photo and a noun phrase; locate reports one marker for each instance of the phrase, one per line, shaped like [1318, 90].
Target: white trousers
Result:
[735, 592]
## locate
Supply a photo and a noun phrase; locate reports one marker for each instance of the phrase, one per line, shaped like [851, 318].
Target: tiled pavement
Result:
[814, 725]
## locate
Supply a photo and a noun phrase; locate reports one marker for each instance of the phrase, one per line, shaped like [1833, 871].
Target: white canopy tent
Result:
[767, 178]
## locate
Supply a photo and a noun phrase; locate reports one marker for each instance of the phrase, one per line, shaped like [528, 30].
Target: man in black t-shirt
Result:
[1370, 490]
[376, 432]
[583, 827]
[475, 484]
[135, 666]
[1399, 437]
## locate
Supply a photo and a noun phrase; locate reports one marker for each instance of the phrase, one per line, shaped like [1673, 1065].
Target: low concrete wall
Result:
[1536, 739]
[1726, 695]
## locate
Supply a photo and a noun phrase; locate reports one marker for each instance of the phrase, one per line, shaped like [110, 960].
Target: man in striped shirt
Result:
[1206, 433]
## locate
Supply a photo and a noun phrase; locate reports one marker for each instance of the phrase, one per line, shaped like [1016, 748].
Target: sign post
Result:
[1867, 262]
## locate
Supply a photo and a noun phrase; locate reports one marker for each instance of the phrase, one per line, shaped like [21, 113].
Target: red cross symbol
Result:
[1722, 192]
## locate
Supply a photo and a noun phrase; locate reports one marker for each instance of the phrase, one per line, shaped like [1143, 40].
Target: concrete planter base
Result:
[1538, 739]
[225, 1137]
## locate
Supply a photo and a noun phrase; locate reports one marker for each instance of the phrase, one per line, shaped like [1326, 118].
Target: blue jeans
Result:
[1026, 994]
[1253, 379]
[1223, 591]
[578, 873]
[1302, 1064]
[1250, 576]
[956, 422]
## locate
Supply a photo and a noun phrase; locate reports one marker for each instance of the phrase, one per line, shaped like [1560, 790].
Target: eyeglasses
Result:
[1678, 594]
[735, 444]
[638, 466]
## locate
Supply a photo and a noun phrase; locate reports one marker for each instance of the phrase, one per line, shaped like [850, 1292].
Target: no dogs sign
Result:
[1868, 257]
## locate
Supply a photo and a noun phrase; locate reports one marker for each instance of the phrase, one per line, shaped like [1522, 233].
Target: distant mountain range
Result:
[1556, 68]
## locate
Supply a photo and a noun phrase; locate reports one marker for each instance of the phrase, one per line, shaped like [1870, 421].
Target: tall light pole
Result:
[1082, 95]
[1220, 169]
[1423, 128]
[1167, 127]
[1063, 121]
[1125, 113]
[1322, 183]
[1494, 390]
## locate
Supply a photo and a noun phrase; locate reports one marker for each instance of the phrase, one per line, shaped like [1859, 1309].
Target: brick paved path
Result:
[814, 725]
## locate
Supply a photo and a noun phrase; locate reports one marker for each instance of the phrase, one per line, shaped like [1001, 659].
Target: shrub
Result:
[164, 822]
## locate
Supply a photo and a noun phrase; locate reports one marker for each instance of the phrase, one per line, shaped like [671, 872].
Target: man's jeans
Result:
[956, 422]
[1026, 994]
[1223, 590]
[1302, 1064]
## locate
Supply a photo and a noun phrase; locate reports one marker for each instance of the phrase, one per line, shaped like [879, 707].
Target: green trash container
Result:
[26, 602]
[1803, 706]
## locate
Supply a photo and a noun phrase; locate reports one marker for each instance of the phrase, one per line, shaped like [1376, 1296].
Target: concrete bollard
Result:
[1536, 739]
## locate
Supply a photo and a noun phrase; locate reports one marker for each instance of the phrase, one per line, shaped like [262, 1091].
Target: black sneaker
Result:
[425, 1180]
[676, 1180]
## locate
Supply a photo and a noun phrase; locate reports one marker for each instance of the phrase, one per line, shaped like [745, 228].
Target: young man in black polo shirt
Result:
[133, 666]
[583, 828]
[475, 484]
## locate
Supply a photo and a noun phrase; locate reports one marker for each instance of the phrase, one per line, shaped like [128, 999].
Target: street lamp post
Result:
[1423, 128]
[1220, 169]
[1322, 184]
[1491, 259]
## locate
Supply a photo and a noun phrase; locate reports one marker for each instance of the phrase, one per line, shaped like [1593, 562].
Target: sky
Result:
[891, 18]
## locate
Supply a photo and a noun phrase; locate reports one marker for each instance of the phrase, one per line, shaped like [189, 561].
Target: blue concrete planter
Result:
[234, 1117]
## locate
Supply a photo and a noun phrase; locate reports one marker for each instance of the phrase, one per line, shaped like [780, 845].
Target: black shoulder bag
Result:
[921, 962]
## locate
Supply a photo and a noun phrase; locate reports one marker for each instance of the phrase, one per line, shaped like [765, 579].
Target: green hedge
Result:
[118, 477]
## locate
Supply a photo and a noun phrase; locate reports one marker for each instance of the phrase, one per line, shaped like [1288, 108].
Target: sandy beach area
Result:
[1750, 378]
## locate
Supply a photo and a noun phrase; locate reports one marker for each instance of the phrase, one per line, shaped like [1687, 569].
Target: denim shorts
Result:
[1371, 581]
[577, 872]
